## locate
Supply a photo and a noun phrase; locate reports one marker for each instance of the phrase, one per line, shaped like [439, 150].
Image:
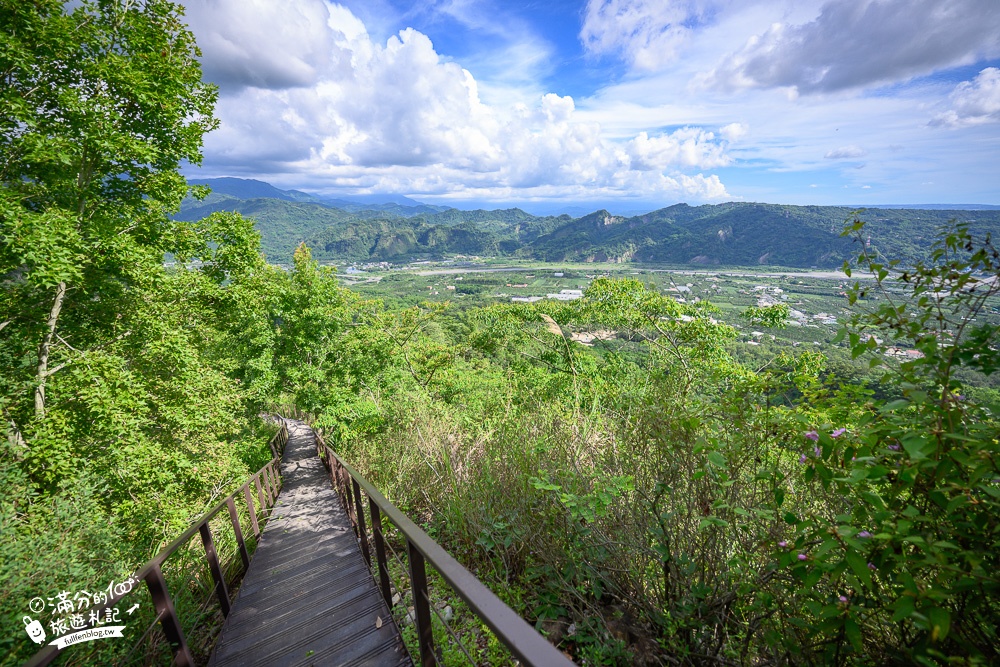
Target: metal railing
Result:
[267, 483]
[522, 640]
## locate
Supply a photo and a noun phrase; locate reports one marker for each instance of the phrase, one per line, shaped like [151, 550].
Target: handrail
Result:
[527, 645]
[152, 573]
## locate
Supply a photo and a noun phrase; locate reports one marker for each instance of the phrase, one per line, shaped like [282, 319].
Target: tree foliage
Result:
[122, 397]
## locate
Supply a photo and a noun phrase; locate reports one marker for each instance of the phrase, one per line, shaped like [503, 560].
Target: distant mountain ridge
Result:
[242, 188]
[730, 234]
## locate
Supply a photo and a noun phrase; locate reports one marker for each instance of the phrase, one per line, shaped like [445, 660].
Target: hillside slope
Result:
[735, 233]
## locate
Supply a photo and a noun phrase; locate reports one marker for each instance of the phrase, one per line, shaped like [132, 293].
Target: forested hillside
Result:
[647, 498]
[733, 234]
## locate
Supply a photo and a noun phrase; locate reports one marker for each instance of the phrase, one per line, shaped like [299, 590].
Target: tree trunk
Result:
[43, 350]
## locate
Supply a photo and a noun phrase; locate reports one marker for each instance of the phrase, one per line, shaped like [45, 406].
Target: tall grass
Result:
[640, 521]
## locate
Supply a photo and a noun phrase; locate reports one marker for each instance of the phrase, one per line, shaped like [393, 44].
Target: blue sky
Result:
[625, 104]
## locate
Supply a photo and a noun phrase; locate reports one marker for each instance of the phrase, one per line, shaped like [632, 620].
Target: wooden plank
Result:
[308, 597]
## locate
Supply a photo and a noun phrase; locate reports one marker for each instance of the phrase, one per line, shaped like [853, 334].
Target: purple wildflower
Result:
[817, 451]
[843, 598]
[783, 543]
[802, 556]
[894, 448]
[864, 534]
[839, 432]
[813, 435]
[802, 459]
[871, 566]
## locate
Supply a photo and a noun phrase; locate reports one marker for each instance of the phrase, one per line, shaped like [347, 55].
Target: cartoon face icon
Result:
[34, 630]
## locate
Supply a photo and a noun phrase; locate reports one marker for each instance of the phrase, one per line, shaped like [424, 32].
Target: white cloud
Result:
[688, 147]
[734, 131]
[646, 33]
[318, 96]
[858, 43]
[398, 117]
[259, 42]
[845, 153]
[974, 102]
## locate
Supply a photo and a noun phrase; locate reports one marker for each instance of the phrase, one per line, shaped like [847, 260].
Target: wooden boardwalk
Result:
[308, 597]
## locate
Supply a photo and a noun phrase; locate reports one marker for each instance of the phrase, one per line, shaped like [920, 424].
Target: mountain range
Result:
[393, 228]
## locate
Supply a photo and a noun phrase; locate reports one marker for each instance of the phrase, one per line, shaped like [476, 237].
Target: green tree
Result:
[125, 385]
[99, 107]
[900, 554]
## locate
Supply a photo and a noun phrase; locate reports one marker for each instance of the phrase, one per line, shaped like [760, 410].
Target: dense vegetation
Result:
[675, 505]
[655, 498]
[732, 234]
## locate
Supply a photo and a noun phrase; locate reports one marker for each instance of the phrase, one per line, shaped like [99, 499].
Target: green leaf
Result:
[717, 459]
[940, 622]
[853, 633]
[904, 608]
[877, 472]
[860, 567]
[918, 446]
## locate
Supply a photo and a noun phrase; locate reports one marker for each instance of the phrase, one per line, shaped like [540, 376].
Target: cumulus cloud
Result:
[845, 153]
[646, 33]
[689, 147]
[259, 42]
[399, 117]
[859, 43]
[974, 102]
[734, 131]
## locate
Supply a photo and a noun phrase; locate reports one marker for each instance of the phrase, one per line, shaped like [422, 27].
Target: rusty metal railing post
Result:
[348, 505]
[342, 490]
[260, 492]
[421, 605]
[276, 477]
[338, 476]
[362, 531]
[253, 513]
[157, 586]
[265, 480]
[213, 564]
[273, 474]
[238, 532]
[380, 553]
[268, 490]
